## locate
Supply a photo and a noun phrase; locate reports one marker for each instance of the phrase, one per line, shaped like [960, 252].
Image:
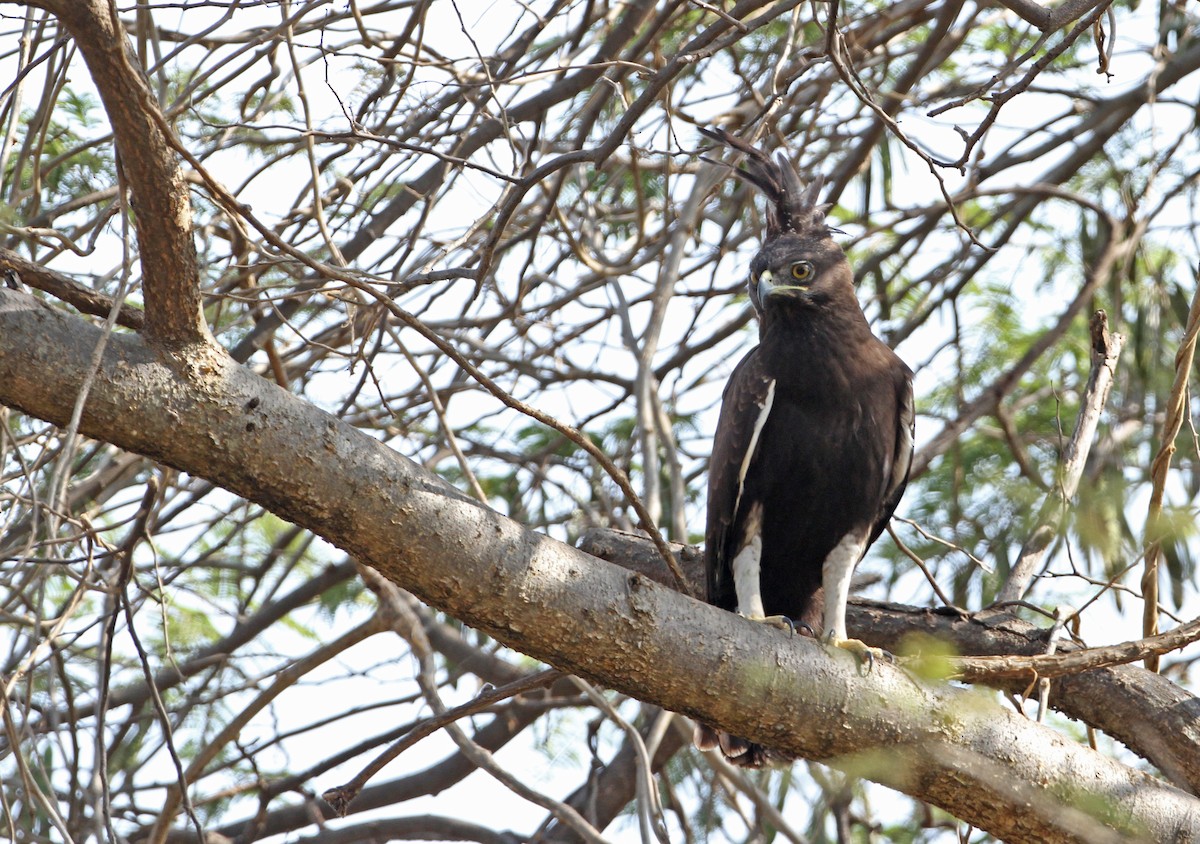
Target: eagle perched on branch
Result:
[815, 436]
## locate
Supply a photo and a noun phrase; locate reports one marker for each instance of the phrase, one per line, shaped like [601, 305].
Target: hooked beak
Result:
[767, 286]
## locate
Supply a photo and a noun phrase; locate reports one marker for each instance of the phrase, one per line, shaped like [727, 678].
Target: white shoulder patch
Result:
[759, 424]
[902, 460]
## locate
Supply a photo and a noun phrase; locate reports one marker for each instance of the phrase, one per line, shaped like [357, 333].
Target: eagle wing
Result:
[902, 453]
[744, 409]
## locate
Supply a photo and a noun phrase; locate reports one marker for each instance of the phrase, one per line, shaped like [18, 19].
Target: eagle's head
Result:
[799, 265]
[798, 270]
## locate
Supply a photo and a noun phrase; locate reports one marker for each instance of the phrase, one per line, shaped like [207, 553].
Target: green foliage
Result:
[928, 657]
[340, 596]
[1101, 527]
[977, 497]
[186, 627]
[66, 165]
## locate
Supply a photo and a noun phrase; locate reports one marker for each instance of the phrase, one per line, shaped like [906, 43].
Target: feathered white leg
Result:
[747, 569]
[836, 575]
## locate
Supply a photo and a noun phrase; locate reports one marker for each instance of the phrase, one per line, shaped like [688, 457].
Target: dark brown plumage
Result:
[814, 440]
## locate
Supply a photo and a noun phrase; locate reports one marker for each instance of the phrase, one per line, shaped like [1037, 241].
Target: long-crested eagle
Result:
[815, 436]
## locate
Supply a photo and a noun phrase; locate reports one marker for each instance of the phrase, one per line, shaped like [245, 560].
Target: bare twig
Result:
[912, 555]
[400, 616]
[340, 797]
[282, 681]
[650, 817]
[982, 669]
[1106, 351]
[1177, 411]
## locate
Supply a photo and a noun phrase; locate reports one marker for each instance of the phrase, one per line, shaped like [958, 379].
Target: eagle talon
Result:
[863, 653]
[780, 621]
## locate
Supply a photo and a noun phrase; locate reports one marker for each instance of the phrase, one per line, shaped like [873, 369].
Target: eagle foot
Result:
[863, 653]
[780, 621]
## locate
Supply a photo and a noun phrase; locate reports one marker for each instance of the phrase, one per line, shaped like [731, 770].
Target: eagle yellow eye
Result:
[802, 270]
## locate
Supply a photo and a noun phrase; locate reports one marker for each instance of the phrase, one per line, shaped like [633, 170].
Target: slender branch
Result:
[612, 469]
[649, 808]
[340, 797]
[63, 287]
[1177, 411]
[1114, 247]
[740, 782]
[283, 680]
[405, 622]
[432, 780]
[985, 669]
[1002, 98]
[1106, 351]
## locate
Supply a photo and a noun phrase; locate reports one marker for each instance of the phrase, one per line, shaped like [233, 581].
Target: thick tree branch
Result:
[208, 416]
[417, 828]
[1132, 705]
[159, 190]
[1047, 19]
[1151, 715]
